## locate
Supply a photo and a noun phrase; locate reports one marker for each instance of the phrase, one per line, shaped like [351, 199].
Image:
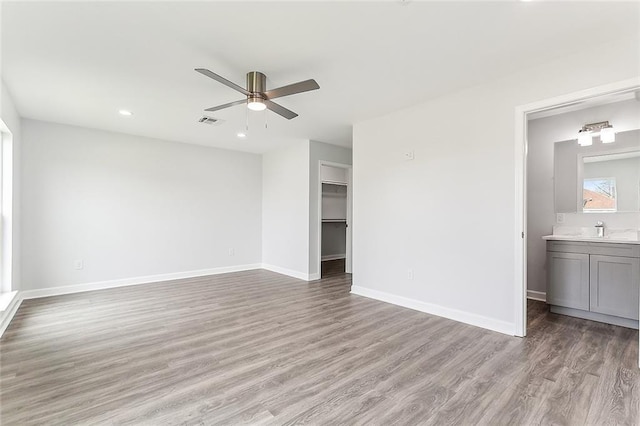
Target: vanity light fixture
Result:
[602, 128]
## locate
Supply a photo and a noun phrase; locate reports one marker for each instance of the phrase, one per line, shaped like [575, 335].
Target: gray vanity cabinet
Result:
[593, 280]
[614, 285]
[569, 273]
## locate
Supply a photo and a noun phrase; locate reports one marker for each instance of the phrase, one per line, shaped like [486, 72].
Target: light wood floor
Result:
[259, 348]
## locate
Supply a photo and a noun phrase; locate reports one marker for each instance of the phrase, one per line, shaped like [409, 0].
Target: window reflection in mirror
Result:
[599, 195]
[611, 182]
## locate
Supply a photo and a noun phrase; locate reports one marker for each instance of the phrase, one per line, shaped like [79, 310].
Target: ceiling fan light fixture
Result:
[258, 98]
[256, 104]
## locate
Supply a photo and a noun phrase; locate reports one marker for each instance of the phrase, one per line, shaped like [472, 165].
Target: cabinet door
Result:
[615, 284]
[568, 280]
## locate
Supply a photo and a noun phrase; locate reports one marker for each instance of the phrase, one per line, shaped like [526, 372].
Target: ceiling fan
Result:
[258, 97]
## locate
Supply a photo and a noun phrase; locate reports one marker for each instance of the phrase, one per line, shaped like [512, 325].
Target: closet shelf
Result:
[334, 220]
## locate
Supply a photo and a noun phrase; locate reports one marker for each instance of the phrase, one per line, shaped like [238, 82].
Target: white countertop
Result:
[588, 234]
[588, 239]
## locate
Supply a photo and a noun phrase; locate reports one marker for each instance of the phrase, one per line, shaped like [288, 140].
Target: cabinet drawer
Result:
[596, 247]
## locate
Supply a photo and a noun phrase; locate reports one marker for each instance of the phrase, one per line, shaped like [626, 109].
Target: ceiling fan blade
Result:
[292, 89]
[230, 104]
[222, 80]
[279, 109]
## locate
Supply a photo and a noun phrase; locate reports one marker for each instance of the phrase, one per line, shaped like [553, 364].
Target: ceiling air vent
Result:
[209, 120]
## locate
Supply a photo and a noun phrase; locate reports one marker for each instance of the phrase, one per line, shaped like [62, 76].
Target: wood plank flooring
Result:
[329, 268]
[259, 348]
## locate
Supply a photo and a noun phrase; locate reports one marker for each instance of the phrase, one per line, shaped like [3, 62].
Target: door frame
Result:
[521, 145]
[348, 255]
[6, 211]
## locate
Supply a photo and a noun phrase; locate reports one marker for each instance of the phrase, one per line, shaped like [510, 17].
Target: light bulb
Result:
[607, 135]
[584, 138]
[256, 105]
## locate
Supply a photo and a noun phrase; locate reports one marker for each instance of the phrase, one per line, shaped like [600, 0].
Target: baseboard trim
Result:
[8, 313]
[537, 295]
[101, 285]
[441, 311]
[6, 299]
[289, 272]
[594, 316]
[334, 257]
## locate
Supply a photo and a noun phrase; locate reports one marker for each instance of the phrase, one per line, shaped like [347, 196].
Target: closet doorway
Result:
[335, 214]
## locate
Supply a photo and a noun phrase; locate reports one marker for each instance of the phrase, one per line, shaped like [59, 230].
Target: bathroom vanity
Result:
[594, 278]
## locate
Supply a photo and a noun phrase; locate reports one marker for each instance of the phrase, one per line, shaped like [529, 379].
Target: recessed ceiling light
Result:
[125, 112]
[242, 135]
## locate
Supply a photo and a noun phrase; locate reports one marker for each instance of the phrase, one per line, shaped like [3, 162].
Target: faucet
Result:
[600, 228]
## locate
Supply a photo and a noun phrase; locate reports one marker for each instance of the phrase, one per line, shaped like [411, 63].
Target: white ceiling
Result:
[80, 62]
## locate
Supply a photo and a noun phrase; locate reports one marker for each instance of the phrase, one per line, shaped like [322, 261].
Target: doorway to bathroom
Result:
[550, 195]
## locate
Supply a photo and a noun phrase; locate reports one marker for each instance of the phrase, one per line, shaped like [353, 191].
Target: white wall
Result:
[450, 214]
[130, 206]
[12, 223]
[543, 133]
[285, 210]
[325, 152]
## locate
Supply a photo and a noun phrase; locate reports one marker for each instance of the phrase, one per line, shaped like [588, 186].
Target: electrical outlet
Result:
[409, 155]
[78, 264]
[232, 252]
[560, 217]
[409, 274]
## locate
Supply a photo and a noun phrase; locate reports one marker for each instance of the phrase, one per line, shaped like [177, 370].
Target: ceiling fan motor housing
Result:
[256, 84]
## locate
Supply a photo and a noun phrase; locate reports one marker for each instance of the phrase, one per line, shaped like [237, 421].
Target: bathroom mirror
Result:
[601, 178]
